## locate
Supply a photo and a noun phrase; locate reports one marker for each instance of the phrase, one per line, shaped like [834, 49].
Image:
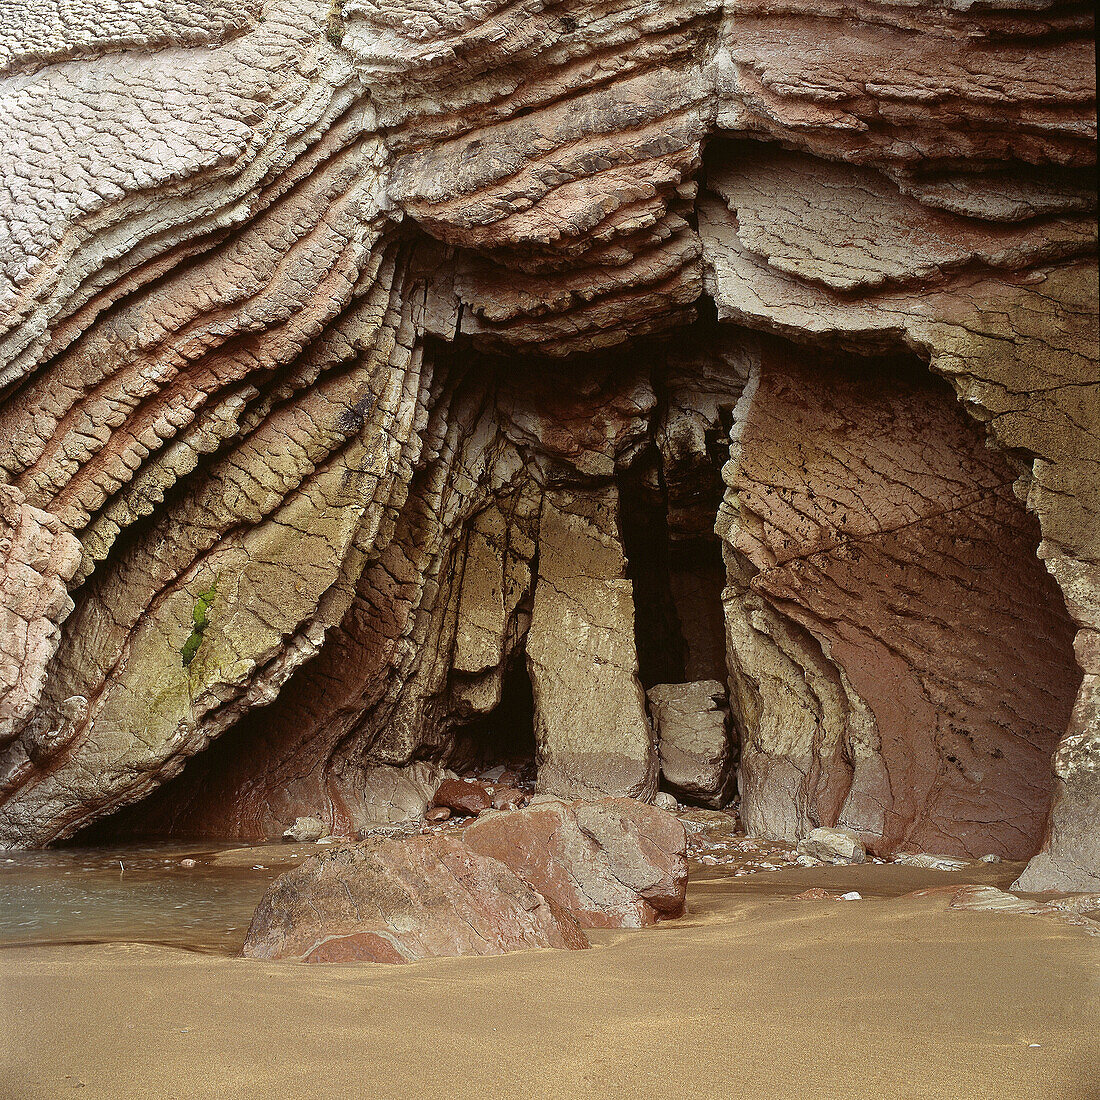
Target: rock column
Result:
[591, 727]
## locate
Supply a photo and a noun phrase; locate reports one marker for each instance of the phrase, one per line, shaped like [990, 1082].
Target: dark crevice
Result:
[506, 735]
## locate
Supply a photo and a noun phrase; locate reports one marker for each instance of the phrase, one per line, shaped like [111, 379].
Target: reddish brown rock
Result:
[615, 863]
[399, 900]
[38, 556]
[507, 796]
[463, 796]
[238, 363]
[889, 597]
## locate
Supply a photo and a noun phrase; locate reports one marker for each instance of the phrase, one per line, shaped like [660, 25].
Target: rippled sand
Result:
[753, 994]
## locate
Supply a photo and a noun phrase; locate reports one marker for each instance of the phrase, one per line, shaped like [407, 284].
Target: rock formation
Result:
[611, 862]
[401, 900]
[693, 739]
[515, 880]
[383, 386]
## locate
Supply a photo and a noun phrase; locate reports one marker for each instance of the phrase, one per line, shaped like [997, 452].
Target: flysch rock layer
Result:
[885, 596]
[320, 323]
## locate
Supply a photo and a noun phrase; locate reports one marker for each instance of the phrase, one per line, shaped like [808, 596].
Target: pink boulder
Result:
[613, 863]
[400, 900]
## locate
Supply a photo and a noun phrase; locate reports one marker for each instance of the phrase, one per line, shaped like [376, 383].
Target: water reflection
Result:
[135, 893]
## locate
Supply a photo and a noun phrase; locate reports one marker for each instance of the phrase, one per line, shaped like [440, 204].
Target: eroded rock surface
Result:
[693, 739]
[337, 396]
[400, 900]
[890, 596]
[612, 863]
[591, 725]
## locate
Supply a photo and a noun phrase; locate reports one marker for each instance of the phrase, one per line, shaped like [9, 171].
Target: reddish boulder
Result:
[400, 900]
[615, 863]
[463, 796]
[507, 796]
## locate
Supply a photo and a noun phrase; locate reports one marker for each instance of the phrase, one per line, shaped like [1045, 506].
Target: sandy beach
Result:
[753, 993]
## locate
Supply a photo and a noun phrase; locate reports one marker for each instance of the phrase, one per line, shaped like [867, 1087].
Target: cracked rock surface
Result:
[368, 373]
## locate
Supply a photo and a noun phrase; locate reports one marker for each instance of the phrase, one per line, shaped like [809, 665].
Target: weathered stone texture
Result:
[692, 724]
[591, 725]
[400, 900]
[512, 880]
[612, 863]
[307, 318]
[39, 559]
[890, 595]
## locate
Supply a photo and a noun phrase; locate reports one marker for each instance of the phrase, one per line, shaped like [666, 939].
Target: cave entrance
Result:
[679, 624]
[667, 512]
[504, 738]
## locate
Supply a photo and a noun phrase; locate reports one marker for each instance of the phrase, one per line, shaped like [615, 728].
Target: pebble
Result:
[305, 829]
[188, 863]
[929, 861]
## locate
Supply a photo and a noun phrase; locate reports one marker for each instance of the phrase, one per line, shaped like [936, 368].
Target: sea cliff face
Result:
[380, 384]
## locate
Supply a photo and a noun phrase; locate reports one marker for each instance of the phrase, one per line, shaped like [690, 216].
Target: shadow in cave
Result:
[678, 578]
[505, 737]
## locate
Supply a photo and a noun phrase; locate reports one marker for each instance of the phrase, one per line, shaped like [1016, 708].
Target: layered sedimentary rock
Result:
[40, 557]
[401, 900]
[590, 720]
[885, 600]
[360, 362]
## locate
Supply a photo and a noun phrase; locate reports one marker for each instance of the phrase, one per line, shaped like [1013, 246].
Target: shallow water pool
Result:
[139, 893]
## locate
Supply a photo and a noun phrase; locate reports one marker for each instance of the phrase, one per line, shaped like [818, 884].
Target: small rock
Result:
[990, 857]
[463, 796]
[693, 739]
[666, 801]
[305, 829]
[929, 862]
[852, 895]
[815, 893]
[504, 797]
[437, 813]
[188, 863]
[833, 846]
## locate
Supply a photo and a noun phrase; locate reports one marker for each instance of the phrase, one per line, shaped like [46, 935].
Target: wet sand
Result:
[752, 994]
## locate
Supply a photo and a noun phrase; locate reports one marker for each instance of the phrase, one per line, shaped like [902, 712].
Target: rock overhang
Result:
[184, 349]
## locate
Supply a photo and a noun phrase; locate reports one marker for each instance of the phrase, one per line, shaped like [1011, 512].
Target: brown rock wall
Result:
[883, 532]
[247, 262]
